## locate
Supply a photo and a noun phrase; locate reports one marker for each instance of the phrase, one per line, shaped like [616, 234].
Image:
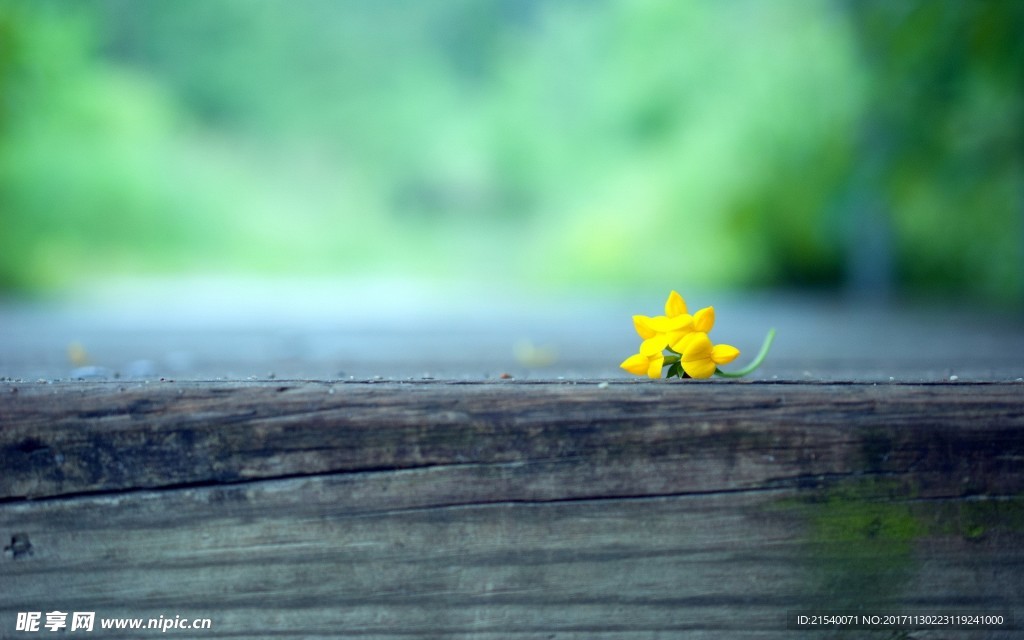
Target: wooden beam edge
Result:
[951, 439]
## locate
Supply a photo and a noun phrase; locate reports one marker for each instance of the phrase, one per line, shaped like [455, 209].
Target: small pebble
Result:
[603, 385]
[506, 376]
[954, 378]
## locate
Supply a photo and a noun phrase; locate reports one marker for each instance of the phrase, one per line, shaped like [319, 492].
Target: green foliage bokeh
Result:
[600, 143]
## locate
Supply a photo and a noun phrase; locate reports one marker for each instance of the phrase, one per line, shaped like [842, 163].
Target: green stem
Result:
[757, 361]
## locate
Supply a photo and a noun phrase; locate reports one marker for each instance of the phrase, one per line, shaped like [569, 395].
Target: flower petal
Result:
[699, 368]
[724, 353]
[682, 326]
[696, 347]
[643, 327]
[661, 324]
[675, 305]
[683, 322]
[678, 342]
[704, 320]
[636, 364]
[654, 367]
[652, 346]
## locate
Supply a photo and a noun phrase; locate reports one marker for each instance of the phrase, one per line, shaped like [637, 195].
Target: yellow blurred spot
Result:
[531, 355]
[77, 354]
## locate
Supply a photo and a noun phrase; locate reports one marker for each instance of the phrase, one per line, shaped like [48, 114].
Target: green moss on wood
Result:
[863, 536]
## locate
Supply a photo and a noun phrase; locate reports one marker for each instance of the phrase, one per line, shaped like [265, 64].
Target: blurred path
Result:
[238, 329]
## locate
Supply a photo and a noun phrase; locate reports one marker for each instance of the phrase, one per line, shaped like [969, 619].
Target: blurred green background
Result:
[870, 145]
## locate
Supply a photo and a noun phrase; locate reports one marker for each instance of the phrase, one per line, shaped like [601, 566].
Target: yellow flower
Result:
[703, 322]
[700, 358]
[645, 364]
[692, 353]
[661, 331]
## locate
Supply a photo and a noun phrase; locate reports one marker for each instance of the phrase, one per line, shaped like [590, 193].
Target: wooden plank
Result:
[509, 510]
[382, 554]
[68, 438]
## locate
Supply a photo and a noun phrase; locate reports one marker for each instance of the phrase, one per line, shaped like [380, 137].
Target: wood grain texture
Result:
[68, 438]
[509, 510]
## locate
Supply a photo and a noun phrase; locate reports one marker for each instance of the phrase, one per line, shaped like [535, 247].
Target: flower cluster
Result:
[691, 354]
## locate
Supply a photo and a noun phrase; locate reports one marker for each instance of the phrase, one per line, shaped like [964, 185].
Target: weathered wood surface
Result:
[507, 509]
[70, 438]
